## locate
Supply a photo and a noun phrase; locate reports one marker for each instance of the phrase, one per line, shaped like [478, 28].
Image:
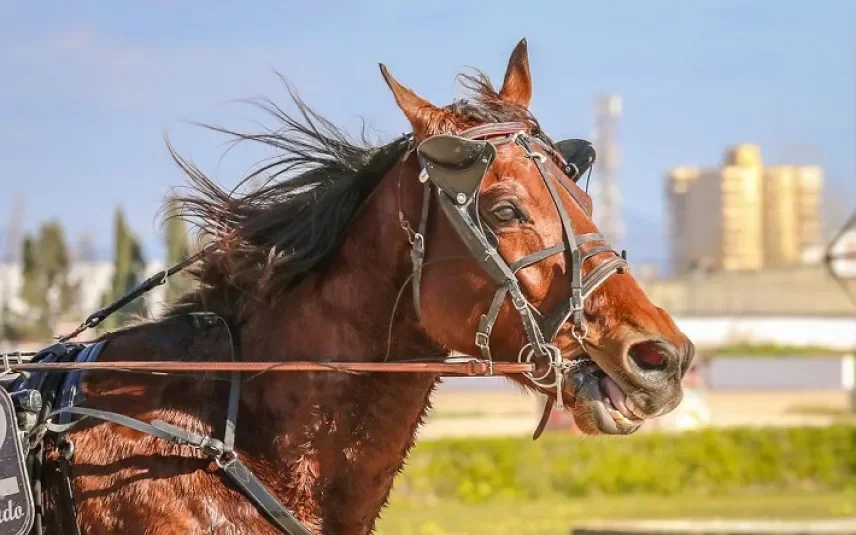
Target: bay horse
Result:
[476, 210]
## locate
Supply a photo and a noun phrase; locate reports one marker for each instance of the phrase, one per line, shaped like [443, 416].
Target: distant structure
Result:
[605, 192]
[742, 215]
[12, 239]
[14, 231]
[95, 278]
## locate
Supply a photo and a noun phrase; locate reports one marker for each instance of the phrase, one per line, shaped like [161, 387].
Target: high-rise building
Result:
[742, 216]
[605, 191]
[792, 215]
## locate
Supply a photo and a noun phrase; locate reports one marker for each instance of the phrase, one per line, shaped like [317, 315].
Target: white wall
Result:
[831, 332]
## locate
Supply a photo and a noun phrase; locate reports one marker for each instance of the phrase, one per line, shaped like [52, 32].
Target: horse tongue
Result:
[616, 395]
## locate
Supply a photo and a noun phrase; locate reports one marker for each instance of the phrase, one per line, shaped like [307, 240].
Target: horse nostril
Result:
[651, 355]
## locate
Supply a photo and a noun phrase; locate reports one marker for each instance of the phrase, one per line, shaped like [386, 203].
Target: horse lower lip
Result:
[614, 393]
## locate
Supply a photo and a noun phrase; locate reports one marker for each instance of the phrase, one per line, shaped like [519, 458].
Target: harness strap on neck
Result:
[69, 393]
[237, 471]
[417, 251]
[232, 412]
[221, 452]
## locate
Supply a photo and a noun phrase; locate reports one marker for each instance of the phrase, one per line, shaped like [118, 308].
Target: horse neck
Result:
[343, 310]
[361, 427]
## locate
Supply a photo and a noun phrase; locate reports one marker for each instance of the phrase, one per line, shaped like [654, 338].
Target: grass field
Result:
[775, 350]
[553, 517]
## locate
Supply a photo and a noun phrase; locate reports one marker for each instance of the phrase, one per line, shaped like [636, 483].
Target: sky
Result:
[90, 90]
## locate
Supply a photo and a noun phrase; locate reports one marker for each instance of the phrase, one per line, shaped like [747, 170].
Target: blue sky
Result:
[89, 89]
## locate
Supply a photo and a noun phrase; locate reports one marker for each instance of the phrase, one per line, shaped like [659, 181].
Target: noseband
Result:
[454, 167]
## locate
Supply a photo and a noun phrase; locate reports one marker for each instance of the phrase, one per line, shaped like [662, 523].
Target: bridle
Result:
[454, 166]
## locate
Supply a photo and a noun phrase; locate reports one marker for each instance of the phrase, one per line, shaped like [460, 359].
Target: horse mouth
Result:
[598, 402]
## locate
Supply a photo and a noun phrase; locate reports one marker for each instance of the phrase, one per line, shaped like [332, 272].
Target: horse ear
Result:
[517, 86]
[421, 113]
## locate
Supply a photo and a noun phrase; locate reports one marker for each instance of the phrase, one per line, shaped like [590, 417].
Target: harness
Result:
[454, 167]
[52, 404]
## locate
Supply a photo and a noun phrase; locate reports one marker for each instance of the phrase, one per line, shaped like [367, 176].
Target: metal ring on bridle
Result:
[554, 363]
[580, 332]
[229, 456]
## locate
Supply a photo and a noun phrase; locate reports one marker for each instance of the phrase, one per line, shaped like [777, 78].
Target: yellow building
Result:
[742, 216]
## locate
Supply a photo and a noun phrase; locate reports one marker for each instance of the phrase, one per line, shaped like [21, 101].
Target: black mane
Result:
[310, 191]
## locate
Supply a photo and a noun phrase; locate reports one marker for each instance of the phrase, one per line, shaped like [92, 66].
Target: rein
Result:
[466, 368]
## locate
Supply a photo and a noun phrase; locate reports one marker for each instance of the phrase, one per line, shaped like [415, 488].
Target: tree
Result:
[177, 249]
[47, 289]
[129, 270]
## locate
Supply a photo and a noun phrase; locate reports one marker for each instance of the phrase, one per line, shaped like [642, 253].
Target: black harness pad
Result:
[579, 154]
[16, 500]
[454, 164]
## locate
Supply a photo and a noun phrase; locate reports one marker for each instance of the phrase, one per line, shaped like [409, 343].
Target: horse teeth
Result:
[618, 417]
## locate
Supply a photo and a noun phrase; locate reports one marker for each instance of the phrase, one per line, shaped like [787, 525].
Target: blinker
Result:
[455, 164]
[579, 156]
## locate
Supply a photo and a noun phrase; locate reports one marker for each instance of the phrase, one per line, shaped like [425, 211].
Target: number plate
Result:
[16, 499]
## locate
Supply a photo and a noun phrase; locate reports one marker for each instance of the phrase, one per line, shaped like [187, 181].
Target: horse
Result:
[476, 210]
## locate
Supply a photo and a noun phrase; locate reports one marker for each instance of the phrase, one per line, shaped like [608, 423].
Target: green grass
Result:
[775, 350]
[839, 413]
[557, 517]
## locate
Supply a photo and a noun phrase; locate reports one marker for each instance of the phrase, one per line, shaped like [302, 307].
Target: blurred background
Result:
[726, 139]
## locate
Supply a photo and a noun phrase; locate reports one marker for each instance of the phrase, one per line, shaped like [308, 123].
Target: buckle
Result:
[212, 447]
[576, 299]
[482, 340]
[517, 298]
[418, 245]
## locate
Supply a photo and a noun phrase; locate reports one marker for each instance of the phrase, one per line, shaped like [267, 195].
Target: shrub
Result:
[703, 462]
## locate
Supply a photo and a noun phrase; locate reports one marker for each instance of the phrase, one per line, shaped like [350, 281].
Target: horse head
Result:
[533, 279]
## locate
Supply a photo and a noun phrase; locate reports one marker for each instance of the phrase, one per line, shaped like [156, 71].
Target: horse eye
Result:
[505, 213]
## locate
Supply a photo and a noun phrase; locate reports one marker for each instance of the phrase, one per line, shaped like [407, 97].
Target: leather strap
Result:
[487, 321]
[68, 396]
[232, 413]
[417, 251]
[254, 489]
[582, 239]
[67, 491]
[493, 129]
[545, 417]
[237, 471]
